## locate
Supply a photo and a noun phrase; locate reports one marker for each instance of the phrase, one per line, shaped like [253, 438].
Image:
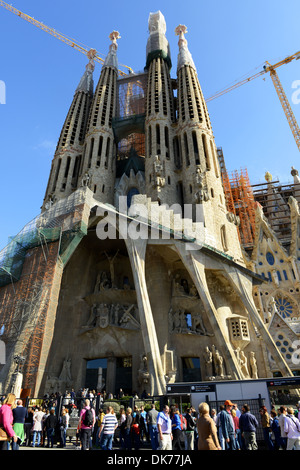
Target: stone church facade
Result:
[133, 275]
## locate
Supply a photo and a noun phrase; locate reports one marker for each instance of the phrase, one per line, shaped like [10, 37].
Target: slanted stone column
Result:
[195, 264]
[137, 252]
[243, 287]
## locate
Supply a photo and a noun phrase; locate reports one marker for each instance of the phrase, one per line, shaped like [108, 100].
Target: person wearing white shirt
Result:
[164, 425]
[292, 429]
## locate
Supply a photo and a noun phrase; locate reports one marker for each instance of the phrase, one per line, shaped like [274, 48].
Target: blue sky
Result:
[228, 41]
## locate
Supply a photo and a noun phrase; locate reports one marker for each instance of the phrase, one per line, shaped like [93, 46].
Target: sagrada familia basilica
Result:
[138, 271]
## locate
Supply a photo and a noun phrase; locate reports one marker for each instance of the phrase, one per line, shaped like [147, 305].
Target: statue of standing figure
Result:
[253, 365]
[208, 358]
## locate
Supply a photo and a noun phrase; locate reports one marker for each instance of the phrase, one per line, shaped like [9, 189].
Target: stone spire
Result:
[160, 171]
[112, 59]
[98, 169]
[157, 44]
[86, 83]
[67, 159]
[184, 55]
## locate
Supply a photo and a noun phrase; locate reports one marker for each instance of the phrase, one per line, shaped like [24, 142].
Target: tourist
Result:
[107, 429]
[276, 431]
[236, 408]
[227, 425]
[28, 425]
[152, 426]
[122, 426]
[164, 426]
[20, 414]
[266, 425]
[136, 427]
[292, 430]
[6, 421]
[213, 414]
[143, 425]
[50, 424]
[219, 428]
[176, 428]
[128, 424]
[86, 423]
[236, 429]
[207, 430]
[248, 426]
[282, 414]
[63, 429]
[37, 426]
[44, 429]
[98, 422]
[190, 430]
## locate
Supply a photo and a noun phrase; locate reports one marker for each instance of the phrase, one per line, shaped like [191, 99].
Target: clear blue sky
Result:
[228, 40]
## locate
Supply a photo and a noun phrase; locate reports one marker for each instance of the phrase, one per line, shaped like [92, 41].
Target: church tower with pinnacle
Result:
[199, 165]
[160, 163]
[99, 165]
[68, 157]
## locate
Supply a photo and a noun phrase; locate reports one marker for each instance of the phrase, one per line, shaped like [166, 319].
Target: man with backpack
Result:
[86, 423]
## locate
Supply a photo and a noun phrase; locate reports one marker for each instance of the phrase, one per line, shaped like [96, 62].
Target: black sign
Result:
[203, 388]
[173, 389]
[283, 382]
[190, 388]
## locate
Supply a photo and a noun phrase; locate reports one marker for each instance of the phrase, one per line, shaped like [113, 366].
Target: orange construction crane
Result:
[279, 89]
[69, 41]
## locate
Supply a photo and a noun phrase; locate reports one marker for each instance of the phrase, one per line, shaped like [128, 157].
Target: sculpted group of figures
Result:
[215, 367]
[103, 315]
[184, 322]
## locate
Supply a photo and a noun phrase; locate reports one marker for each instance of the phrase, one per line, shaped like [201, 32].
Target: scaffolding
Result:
[239, 200]
[245, 205]
[27, 273]
[273, 197]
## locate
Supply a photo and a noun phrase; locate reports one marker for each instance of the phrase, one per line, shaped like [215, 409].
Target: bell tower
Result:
[160, 176]
[99, 167]
[66, 164]
[200, 170]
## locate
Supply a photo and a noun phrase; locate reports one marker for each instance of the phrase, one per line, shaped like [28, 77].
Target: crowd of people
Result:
[35, 426]
[237, 429]
[129, 429]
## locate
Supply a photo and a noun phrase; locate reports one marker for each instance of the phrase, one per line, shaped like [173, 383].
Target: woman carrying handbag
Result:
[6, 421]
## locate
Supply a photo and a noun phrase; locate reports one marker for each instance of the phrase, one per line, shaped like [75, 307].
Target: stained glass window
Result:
[270, 258]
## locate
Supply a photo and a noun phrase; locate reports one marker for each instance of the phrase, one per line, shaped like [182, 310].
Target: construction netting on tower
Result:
[239, 200]
[244, 204]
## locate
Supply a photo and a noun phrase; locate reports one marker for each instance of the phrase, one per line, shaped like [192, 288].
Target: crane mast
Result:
[286, 106]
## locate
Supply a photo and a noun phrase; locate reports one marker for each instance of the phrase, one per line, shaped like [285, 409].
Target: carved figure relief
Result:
[143, 373]
[181, 288]
[201, 192]
[103, 282]
[243, 363]
[158, 174]
[253, 365]
[214, 364]
[64, 381]
[104, 315]
[181, 321]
